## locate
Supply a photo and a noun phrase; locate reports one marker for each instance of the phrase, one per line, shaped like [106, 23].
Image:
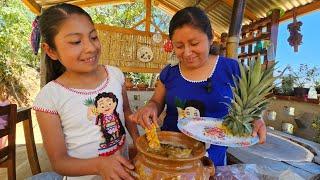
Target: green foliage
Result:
[127, 15]
[138, 78]
[15, 49]
[304, 75]
[316, 126]
[124, 15]
[287, 84]
[179, 103]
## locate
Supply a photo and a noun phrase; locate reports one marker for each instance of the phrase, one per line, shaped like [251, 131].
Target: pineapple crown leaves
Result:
[249, 96]
[89, 102]
[179, 103]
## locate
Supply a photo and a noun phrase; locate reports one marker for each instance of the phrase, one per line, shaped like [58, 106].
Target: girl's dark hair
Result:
[50, 22]
[195, 17]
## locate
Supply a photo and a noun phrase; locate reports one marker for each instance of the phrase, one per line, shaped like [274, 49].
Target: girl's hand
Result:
[259, 128]
[146, 116]
[114, 167]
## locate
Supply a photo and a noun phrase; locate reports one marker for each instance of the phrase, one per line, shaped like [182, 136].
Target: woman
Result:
[200, 76]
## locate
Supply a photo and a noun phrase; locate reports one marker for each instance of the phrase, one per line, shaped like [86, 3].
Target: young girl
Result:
[80, 109]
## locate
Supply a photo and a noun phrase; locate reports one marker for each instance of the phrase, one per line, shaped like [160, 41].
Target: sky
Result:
[309, 50]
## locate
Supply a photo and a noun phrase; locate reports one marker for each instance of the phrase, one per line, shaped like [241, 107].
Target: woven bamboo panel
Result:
[119, 48]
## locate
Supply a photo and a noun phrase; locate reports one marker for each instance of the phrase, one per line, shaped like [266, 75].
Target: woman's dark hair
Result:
[193, 16]
[50, 22]
[197, 105]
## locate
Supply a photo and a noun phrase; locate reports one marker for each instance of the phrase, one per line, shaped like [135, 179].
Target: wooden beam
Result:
[33, 6]
[247, 13]
[140, 69]
[313, 6]
[212, 5]
[167, 7]
[148, 15]
[156, 27]
[88, 3]
[104, 27]
[139, 23]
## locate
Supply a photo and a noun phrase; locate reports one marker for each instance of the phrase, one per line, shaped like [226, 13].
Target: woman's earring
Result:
[172, 59]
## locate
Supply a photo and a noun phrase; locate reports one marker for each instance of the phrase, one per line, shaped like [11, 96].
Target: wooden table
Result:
[24, 116]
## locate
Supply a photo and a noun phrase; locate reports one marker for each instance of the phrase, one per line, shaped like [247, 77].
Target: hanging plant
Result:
[295, 38]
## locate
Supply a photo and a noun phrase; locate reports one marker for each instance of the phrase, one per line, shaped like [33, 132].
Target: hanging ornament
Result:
[168, 47]
[35, 36]
[144, 54]
[295, 38]
[157, 37]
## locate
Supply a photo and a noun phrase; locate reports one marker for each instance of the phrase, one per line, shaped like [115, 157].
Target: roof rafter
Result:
[33, 6]
[247, 13]
[213, 5]
[87, 3]
[170, 9]
[166, 6]
[301, 10]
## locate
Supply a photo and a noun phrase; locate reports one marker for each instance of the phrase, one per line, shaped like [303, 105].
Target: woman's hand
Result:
[146, 115]
[259, 128]
[115, 167]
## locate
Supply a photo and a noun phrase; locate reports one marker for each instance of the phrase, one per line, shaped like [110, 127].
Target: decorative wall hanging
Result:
[168, 46]
[295, 38]
[144, 54]
[157, 37]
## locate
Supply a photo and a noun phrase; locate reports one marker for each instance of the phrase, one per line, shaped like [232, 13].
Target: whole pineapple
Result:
[249, 97]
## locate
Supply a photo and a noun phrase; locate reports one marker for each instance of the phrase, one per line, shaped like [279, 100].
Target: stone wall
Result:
[304, 113]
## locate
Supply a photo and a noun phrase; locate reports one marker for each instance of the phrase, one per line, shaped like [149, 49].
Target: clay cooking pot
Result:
[152, 166]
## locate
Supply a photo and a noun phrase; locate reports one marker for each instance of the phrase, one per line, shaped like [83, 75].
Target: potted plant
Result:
[303, 77]
[141, 80]
[128, 80]
[314, 74]
[287, 83]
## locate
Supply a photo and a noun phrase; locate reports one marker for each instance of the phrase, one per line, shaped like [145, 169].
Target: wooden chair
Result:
[8, 153]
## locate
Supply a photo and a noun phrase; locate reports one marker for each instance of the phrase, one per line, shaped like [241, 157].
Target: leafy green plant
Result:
[15, 50]
[304, 75]
[316, 126]
[287, 83]
[139, 78]
[127, 15]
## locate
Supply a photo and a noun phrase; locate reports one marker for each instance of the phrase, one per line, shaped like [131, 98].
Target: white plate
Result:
[209, 130]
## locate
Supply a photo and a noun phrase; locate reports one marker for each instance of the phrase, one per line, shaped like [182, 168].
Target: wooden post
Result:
[275, 16]
[234, 28]
[43, 68]
[148, 15]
